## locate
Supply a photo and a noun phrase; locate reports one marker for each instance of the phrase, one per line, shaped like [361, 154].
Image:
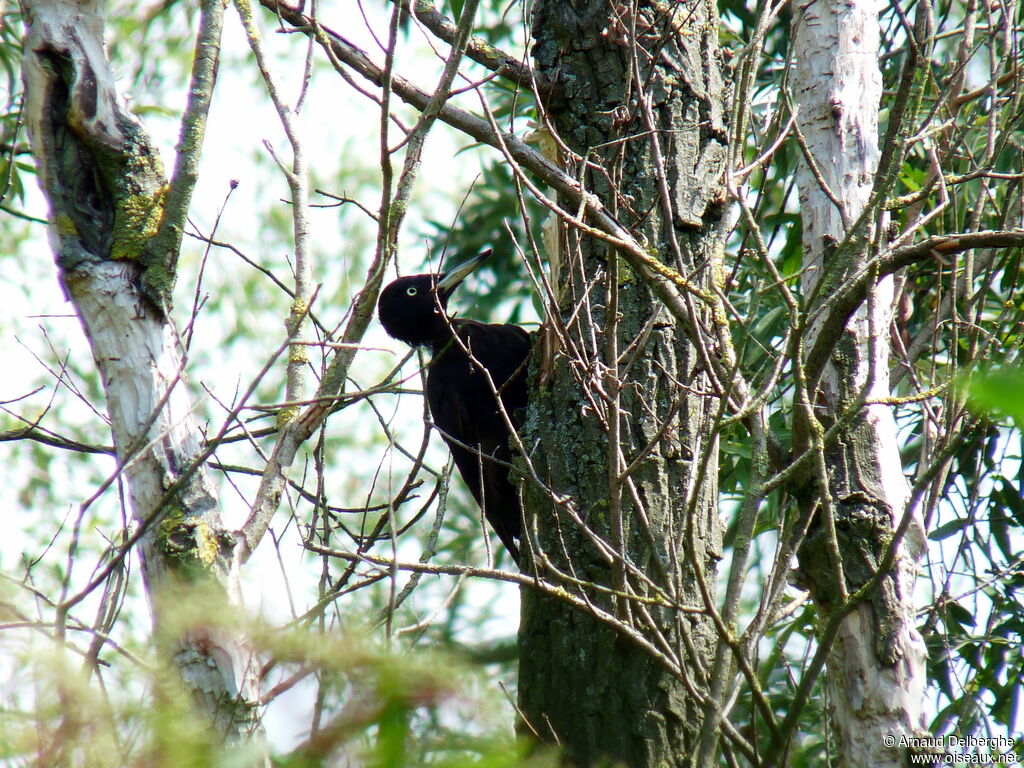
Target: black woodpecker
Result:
[464, 354]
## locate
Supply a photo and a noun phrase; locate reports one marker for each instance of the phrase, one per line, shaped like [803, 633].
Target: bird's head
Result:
[412, 309]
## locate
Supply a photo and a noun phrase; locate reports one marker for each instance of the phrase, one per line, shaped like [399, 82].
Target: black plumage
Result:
[462, 401]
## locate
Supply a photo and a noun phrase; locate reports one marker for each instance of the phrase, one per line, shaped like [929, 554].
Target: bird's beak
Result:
[450, 280]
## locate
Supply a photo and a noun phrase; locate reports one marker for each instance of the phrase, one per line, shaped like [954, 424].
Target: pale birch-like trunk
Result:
[876, 668]
[106, 188]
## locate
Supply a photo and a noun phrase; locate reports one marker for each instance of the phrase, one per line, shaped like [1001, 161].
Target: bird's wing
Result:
[503, 349]
[460, 408]
[472, 440]
[463, 407]
[494, 493]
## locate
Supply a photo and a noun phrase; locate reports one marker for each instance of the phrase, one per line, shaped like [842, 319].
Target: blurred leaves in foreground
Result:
[130, 709]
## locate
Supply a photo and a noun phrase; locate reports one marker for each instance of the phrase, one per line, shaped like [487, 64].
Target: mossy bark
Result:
[611, 684]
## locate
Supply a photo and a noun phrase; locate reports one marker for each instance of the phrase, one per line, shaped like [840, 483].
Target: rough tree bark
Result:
[876, 672]
[108, 197]
[640, 111]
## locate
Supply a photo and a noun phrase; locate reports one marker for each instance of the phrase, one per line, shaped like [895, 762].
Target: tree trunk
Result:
[106, 190]
[876, 672]
[641, 101]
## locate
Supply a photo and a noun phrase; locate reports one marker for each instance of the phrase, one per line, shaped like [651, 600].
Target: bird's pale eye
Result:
[411, 290]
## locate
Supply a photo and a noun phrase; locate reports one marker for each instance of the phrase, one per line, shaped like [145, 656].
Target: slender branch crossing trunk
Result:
[106, 190]
[618, 417]
[876, 671]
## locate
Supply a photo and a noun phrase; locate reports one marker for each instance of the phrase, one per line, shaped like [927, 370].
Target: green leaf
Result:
[959, 614]
[999, 524]
[946, 530]
[999, 391]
